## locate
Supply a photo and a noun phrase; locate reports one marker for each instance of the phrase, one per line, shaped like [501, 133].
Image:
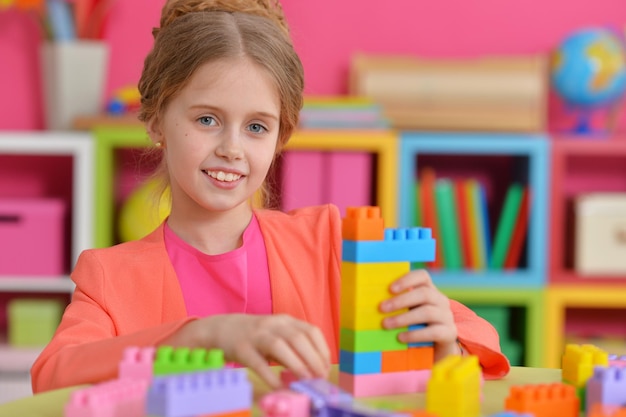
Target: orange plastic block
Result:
[363, 223]
[395, 361]
[544, 400]
[601, 410]
[422, 357]
[241, 413]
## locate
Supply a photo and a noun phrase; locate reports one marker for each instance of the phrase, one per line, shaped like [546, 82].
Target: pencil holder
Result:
[73, 78]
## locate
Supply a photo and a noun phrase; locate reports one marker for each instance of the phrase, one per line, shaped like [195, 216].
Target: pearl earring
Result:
[159, 144]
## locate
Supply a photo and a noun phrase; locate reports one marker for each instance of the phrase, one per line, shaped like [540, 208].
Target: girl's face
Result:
[219, 134]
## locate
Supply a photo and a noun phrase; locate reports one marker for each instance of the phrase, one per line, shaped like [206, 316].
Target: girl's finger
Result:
[319, 344]
[413, 279]
[305, 348]
[278, 349]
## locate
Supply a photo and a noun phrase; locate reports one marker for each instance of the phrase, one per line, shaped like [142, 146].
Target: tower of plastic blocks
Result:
[371, 359]
[454, 387]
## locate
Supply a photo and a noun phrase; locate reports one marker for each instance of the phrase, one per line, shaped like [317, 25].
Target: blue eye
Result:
[257, 128]
[207, 120]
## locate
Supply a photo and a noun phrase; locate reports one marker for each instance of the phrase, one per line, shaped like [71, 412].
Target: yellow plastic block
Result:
[454, 387]
[578, 363]
[380, 273]
[362, 319]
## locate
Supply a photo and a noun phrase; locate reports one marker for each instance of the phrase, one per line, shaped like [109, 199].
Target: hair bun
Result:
[270, 9]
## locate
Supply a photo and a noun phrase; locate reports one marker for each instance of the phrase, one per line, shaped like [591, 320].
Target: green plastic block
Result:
[171, 360]
[370, 340]
[32, 322]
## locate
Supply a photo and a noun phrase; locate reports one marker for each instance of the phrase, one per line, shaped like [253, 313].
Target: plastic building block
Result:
[578, 363]
[413, 359]
[171, 360]
[422, 357]
[390, 383]
[616, 360]
[115, 398]
[454, 387]
[607, 386]
[544, 400]
[362, 362]
[197, 393]
[419, 344]
[285, 403]
[379, 276]
[321, 393]
[363, 223]
[511, 414]
[370, 340]
[137, 363]
[240, 413]
[411, 245]
[354, 409]
[601, 410]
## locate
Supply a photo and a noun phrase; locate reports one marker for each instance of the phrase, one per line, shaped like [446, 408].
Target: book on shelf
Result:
[506, 225]
[514, 253]
[426, 194]
[447, 213]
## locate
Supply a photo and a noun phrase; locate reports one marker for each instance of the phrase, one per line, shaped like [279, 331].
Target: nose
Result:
[230, 146]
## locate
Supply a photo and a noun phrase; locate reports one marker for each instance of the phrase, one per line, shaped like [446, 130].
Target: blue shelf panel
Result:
[535, 147]
[523, 278]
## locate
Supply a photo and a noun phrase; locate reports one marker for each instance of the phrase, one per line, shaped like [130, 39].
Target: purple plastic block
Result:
[606, 386]
[321, 393]
[137, 363]
[354, 409]
[116, 398]
[207, 392]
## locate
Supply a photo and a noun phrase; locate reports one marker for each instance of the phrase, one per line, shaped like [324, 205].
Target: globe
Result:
[588, 70]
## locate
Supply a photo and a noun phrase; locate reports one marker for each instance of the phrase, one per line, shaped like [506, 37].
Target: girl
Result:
[221, 93]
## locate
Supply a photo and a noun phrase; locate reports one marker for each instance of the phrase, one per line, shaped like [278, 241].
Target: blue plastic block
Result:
[411, 245]
[418, 344]
[321, 393]
[357, 363]
[198, 393]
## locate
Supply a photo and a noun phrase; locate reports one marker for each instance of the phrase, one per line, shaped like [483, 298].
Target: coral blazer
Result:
[129, 295]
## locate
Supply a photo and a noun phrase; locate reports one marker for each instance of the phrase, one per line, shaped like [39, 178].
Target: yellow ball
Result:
[143, 211]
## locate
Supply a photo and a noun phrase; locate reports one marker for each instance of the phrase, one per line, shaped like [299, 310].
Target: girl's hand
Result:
[253, 340]
[427, 305]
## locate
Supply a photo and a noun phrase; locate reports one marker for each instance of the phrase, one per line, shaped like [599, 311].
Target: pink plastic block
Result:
[137, 363]
[302, 179]
[285, 403]
[348, 179]
[32, 237]
[116, 398]
[370, 385]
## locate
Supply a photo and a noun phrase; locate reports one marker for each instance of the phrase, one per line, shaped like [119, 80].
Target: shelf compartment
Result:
[501, 158]
[580, 166]
[561, 297]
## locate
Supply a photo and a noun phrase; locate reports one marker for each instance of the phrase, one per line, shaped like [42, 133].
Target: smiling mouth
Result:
[223, 176]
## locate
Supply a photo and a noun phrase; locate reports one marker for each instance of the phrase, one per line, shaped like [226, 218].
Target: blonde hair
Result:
[195, 32]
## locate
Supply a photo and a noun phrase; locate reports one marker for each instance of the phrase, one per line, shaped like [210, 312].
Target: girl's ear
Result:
[153, 127]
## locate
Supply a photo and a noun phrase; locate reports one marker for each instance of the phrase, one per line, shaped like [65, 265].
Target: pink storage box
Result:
[31, 237]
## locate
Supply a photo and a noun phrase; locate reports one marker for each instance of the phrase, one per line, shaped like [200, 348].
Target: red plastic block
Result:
[116, 398]
[285, 403]
[363, 223]
[370, 385]
[137, 363]
[544, 400]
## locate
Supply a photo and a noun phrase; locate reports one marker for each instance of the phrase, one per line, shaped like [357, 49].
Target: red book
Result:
[464, 225]
[429, 211]
[519, 233]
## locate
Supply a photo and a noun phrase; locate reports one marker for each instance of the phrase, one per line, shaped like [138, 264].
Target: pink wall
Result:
[326, 33]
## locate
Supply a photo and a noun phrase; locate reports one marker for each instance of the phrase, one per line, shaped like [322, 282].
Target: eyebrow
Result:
[260, 113]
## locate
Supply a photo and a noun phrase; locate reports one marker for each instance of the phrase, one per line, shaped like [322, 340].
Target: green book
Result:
[448, 224]
[506, 226]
